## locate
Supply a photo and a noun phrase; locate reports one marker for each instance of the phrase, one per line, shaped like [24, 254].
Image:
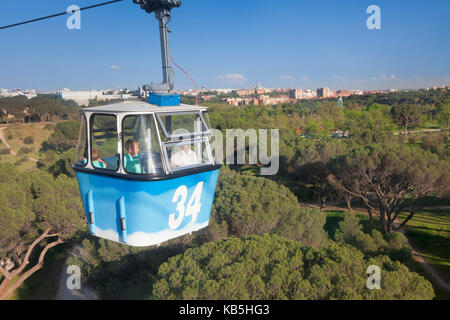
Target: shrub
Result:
[64, 137]
[5, 151]
[395, 244]
[28, 140]
[21, 161]
[24, 150]
[411, 139]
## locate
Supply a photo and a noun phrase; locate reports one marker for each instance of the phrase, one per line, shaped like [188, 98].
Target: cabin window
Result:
[182, 125]
[82, 156]
[141, 152]
[187, 154]
[104, 145]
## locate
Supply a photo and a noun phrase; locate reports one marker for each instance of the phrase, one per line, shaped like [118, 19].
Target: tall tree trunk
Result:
[405, 130]
[322, 199]
[348, 201]
[389, 225]
[383, 221]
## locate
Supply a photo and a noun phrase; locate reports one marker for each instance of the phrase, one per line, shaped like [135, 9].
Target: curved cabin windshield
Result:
[186, 143]
[141, 152]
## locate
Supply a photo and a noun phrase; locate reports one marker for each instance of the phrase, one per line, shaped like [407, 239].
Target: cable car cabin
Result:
[146, 173]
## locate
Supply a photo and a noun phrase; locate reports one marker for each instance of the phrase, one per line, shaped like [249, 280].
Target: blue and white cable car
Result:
[143, 178]
[145, 170]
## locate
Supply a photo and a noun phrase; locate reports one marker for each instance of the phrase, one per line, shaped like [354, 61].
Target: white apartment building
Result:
[83, 97]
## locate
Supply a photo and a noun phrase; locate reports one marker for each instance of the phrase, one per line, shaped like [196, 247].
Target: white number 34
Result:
[193, 206]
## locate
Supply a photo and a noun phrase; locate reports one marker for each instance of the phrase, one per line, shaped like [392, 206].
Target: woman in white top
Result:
[184, 157]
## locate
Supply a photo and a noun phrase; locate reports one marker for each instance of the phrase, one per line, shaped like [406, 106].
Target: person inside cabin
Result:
[132, 159]
[97, 162]
[184, 157]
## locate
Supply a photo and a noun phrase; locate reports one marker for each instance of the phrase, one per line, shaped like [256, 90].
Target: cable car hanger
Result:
[145, 170]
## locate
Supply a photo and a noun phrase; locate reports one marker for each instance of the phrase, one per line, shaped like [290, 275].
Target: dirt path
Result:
[420, 131]
[63, 292]
[431, 272]
[2, 138]
[418, 256]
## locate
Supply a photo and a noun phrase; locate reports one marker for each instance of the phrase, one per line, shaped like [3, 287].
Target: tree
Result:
[406, 115]
[270, 267]
[444, 114]
[369, 126]
[350, 232]
[37, 214]
[390, 179]
[246, 205]
[312, 127]
[64, 137]
[310, 166]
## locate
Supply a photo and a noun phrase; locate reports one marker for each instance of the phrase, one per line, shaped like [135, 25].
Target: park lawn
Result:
[22, 162]
[18, 132]
[15, 135]
[429, 232]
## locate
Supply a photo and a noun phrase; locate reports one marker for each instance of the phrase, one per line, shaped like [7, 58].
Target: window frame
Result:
[86, 146]
[191, 134]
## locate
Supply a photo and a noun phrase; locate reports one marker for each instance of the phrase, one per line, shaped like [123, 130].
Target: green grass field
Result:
[429, 231]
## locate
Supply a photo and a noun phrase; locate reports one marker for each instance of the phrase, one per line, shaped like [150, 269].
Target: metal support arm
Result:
[163, 16]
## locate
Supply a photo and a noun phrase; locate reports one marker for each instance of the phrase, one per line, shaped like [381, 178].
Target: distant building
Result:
[297, 94]
[323, 92]
[83, 97]
[343, 93]
[245, 92]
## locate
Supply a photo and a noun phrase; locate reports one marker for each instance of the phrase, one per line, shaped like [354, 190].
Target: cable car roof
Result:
[131, 107]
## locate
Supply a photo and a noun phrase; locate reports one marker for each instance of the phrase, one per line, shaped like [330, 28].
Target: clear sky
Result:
[229, 44]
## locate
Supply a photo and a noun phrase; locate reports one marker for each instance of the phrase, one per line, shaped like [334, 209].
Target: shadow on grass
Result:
[332, 223]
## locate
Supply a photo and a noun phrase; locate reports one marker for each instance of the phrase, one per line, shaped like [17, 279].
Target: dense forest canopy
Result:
[269, 267]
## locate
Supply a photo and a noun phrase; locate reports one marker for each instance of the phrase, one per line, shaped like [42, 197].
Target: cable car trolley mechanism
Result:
[145, 170]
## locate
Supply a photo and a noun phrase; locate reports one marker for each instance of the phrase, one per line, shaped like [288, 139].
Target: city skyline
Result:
[316, 44]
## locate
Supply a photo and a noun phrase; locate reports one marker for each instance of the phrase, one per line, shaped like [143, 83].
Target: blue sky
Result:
[229, 44]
